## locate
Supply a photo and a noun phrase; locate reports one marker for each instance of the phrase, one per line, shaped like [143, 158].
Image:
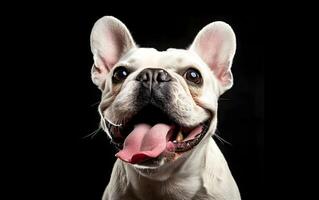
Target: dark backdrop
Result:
[55, 103]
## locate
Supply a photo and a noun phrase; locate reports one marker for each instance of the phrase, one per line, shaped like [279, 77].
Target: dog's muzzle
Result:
[153, 129]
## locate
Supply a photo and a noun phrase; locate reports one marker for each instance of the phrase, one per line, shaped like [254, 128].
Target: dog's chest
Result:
[173, 189]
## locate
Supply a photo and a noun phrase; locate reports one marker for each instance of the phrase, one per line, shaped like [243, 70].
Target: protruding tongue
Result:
[144, 142]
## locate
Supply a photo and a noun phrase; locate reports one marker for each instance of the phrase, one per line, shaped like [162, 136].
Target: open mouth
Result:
[151, 132]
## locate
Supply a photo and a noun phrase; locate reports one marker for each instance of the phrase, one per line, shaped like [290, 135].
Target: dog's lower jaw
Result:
[203, 175]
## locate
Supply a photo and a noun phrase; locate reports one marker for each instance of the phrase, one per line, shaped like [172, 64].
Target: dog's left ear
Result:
[216, 45]
[110, 40]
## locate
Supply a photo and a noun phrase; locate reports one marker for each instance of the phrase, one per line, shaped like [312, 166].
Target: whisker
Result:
[94, 133]
[221, 139]
[94, 104]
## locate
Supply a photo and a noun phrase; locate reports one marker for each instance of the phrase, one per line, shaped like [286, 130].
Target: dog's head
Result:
[157, 106]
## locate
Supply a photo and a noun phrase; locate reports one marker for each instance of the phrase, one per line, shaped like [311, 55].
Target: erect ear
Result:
[110, 40]
[216, 45]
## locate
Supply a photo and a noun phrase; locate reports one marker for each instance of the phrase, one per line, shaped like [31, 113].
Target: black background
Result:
[55, 103]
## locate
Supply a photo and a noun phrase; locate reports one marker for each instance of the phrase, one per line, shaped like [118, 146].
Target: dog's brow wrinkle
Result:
[179, 60]
[131, 61]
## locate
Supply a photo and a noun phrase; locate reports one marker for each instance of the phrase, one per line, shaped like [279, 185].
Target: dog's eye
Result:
[193, 76]
[119, 74]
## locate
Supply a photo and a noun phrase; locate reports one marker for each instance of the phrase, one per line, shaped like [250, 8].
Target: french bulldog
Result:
[159, 108]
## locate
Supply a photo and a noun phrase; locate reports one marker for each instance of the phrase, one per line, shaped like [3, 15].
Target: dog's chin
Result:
[180, 139]
[161, 167]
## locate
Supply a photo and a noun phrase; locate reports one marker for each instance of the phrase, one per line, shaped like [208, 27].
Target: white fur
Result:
[204, 175]
[201, 173]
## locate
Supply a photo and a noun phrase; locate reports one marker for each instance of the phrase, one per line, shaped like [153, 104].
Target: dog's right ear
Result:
[216, 45]
[110, 40]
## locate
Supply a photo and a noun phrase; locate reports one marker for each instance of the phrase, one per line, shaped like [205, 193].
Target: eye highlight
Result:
[120, 74]
[193, 76]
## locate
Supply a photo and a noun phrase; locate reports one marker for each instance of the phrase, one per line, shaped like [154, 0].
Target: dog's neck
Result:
[203, 175]
[182, 179]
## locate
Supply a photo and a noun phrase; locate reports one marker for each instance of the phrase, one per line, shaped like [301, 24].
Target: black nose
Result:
[153, 76]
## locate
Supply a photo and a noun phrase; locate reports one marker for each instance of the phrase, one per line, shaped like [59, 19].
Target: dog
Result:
[159, 108]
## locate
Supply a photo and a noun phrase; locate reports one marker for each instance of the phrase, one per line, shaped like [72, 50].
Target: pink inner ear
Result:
[221, 70]
[110, 40]
[115, 47]
[215, 44]
[111, 51]
[211, 51]
[225, 77]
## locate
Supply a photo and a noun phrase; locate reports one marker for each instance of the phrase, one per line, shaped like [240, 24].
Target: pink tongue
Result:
[144, 142]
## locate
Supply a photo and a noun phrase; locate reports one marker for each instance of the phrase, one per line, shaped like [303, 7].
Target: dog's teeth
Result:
[180, 136]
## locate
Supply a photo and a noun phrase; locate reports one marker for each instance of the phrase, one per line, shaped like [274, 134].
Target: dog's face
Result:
[159, 106]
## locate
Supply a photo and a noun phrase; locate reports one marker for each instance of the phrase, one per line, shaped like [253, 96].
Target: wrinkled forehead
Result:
[151, 58]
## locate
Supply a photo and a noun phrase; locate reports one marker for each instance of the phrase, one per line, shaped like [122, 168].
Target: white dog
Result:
[160, 110]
